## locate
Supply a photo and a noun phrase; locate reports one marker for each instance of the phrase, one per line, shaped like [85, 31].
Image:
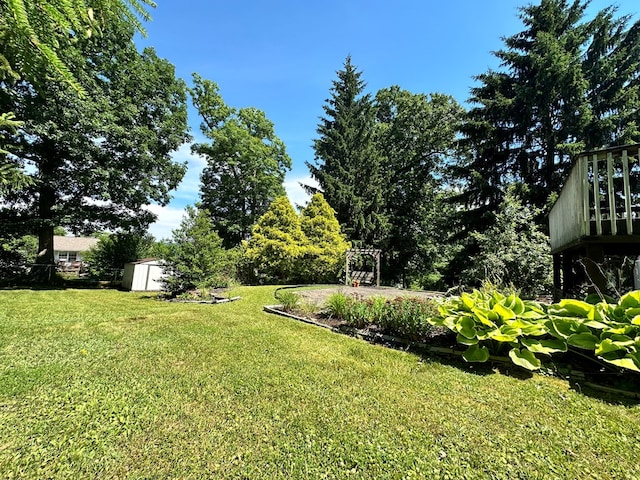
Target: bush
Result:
[408, 317]
[195, 256]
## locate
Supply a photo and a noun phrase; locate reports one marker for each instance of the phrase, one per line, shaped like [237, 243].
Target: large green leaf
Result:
[476, 354]
[503, 312]
[462, 340]
[525, 358]
[486, 316]
[630, 300]
[564, 327]
[505, 333]
[466, 327]
[546, 347]
[607, 346]
[468, 301]
[625, 362]
[576, 308]
[587, 341]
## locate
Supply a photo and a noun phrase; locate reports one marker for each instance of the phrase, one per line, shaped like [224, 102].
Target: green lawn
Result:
[106, 384]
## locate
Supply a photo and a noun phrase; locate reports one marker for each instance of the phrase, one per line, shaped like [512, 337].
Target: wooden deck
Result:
[598, 210]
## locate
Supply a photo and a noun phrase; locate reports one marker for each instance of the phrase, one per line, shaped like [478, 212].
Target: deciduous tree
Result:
[246, 163]
[98, 159]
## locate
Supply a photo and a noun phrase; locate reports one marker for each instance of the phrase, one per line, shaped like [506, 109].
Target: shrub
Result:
[408, 317]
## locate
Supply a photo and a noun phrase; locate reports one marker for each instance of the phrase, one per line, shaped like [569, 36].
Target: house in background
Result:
[68, 251]
[145, 275]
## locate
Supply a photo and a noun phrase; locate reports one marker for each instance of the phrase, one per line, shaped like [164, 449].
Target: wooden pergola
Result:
[362, 276]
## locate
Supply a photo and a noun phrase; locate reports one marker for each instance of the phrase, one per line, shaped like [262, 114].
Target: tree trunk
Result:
[43, 272]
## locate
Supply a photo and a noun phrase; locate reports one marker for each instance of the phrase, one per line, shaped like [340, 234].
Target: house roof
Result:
[73, 244]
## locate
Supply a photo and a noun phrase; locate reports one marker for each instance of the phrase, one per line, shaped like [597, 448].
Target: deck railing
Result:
[600, 197]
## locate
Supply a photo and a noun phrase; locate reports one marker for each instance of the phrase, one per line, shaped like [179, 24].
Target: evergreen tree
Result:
[277, 244]
[566, 84]
[327, 246]
[347, 165]
[246, 163]
[195, 256]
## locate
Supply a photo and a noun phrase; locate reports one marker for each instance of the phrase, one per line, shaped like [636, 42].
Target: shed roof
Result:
[73, 244]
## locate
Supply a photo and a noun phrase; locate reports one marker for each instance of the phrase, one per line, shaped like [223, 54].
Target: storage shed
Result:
[143, 276]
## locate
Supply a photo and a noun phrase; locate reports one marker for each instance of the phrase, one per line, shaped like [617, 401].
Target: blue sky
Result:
[281, 56]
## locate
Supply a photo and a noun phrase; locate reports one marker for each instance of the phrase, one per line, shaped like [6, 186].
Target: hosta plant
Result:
[487, 321]
[610, 330]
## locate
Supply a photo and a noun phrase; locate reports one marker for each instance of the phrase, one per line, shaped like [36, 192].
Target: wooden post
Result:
[584, 165]
[627, 192]
[557, 279]
[612, 198]
[568, 279]
[596, 195]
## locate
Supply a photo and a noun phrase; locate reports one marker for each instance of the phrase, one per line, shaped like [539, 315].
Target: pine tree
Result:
[565, 85]
[347, 165]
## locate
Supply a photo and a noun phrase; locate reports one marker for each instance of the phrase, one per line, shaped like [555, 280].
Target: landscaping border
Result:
[420, 347]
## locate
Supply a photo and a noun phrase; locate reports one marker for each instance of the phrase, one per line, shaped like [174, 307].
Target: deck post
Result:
[568, 278]
[557, 278]
[596, 195]
[627, 192]
[612, 197]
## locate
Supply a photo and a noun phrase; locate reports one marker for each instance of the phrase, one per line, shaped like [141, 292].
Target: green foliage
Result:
[514, 251]
[98, 159]
[565, 84]
[347, 165]
[405, 317]
[611, 330]
[325, 255]
[277, 244]
[33, 33]
[415, 135]
[112, 251]
[246, 163]
[336, 306]
[195, 256]
[488, 321]
[288, 300]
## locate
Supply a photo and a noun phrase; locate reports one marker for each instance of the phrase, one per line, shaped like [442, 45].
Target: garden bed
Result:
[579, 369]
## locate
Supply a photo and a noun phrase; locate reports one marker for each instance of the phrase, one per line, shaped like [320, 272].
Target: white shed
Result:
[143, 276]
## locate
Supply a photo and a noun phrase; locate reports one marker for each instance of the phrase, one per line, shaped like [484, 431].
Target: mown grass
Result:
[106, 384]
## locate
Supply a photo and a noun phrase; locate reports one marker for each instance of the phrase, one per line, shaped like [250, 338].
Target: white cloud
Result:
[169, 219]
[297, 195]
